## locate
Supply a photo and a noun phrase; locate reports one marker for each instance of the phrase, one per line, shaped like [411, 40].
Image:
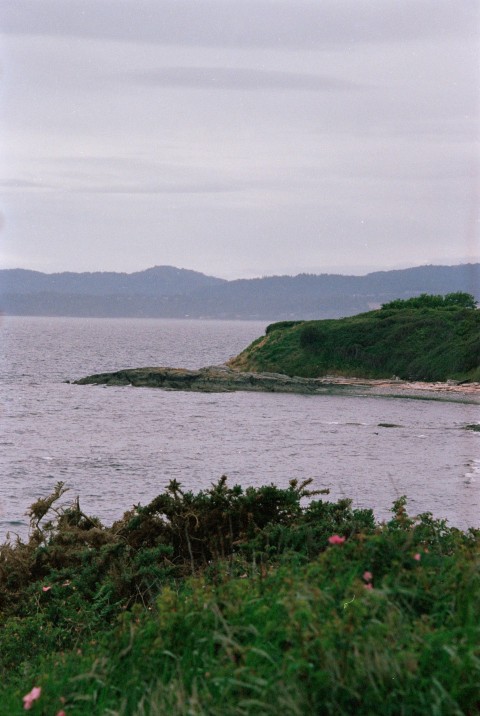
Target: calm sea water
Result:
[119, 446]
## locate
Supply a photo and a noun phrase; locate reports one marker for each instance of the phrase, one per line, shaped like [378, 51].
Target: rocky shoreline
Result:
[215, 379]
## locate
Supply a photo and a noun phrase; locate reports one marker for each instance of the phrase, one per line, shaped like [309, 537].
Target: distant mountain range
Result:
[169, 292]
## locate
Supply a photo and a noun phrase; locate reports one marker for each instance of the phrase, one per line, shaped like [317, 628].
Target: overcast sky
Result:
[239, 137]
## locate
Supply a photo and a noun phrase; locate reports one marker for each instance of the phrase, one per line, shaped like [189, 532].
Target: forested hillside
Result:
[168, 292]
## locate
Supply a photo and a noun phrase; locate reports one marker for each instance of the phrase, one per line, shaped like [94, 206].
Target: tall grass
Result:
[238, 602]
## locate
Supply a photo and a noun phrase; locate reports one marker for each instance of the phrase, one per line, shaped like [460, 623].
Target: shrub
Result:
[266, 614]
[281, 325]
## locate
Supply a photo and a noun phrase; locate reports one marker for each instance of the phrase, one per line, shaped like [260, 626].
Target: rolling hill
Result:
[169, 292]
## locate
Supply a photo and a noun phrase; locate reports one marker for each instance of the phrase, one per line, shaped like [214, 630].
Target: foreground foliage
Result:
[432, 338]
[240, 602]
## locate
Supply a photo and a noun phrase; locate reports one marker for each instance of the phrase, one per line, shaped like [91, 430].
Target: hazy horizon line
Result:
[350, 271]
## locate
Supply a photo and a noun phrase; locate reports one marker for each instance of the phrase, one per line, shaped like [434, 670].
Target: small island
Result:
[423, 345]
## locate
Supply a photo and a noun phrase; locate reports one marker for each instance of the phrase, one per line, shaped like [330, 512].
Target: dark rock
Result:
[222, 379]
[210, 379]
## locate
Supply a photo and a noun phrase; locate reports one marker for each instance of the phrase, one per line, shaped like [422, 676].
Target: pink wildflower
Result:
[61, 713]
[336, 539]
[46, 589]
[368, 576]
[32, 696]
[368, 586]
[417, 556]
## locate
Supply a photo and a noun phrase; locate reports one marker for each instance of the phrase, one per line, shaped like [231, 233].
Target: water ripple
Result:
[115, 447]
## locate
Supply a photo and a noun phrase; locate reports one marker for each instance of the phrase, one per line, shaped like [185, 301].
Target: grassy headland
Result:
[240, 602]
[429, 338]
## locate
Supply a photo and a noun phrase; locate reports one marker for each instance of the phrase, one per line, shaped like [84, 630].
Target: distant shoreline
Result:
[170, 292]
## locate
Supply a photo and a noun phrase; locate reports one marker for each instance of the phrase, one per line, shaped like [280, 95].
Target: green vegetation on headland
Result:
[429, 338]
[240, 602]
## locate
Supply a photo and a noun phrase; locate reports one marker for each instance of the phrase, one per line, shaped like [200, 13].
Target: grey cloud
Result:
[20, 184]
[99, 162]
[119, 188]
[371, 160]
[118, 175]
[204, 188]
[244, 23]
[238, 79]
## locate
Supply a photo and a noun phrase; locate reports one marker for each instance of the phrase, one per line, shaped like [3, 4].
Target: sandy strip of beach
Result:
[452, 389]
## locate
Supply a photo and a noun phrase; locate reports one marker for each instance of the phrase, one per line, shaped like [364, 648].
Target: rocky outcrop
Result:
[212, 379]
[221, 379]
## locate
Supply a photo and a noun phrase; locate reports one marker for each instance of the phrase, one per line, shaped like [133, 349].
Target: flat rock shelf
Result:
[215, 379]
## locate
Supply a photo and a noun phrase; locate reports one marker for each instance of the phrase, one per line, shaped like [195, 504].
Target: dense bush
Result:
[433, 338]
[240, 602]
[280, 325]
[425, 300]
